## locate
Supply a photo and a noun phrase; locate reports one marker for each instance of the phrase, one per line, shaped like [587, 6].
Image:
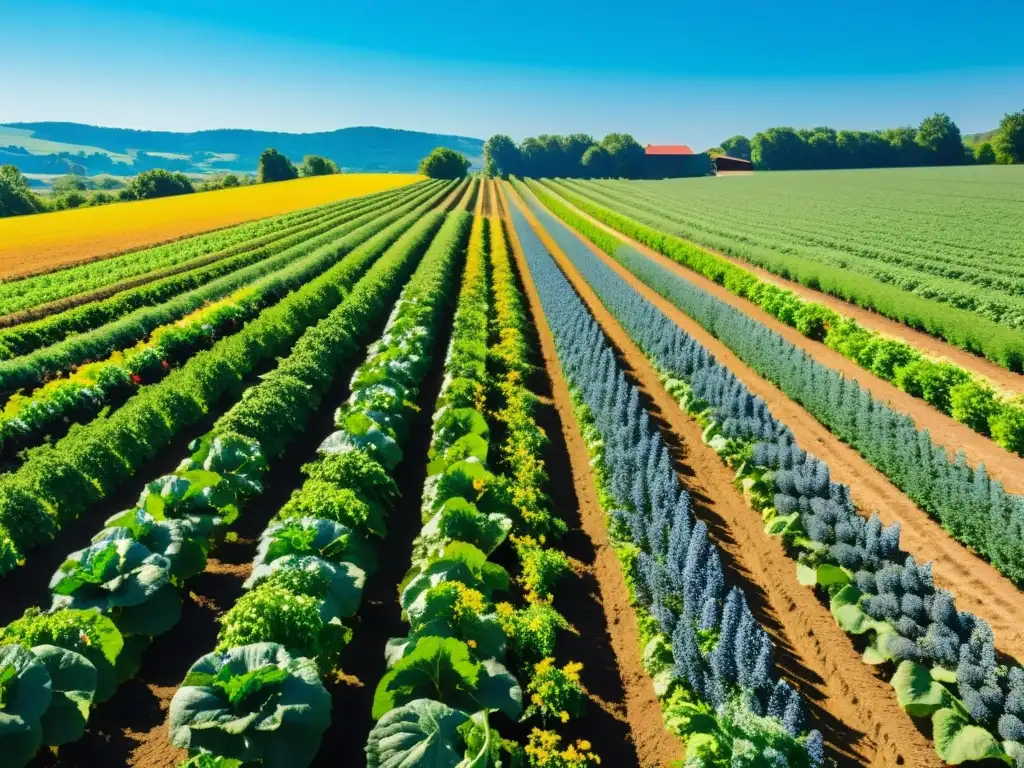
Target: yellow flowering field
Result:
[45, 241]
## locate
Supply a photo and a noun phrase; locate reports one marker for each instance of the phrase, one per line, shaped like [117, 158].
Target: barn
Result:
[727, 163]
[671, 161]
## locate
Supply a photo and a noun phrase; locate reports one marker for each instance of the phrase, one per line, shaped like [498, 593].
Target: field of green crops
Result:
[936, 248]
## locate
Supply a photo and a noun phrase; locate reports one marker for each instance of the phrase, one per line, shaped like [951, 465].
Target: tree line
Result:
[73, 191]
[936, 141]
[577, 155]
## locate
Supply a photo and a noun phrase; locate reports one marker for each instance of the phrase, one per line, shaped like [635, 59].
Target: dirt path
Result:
[639, 707]
[977, 586]
[945, 431]
[856, 711]
[1007, 380]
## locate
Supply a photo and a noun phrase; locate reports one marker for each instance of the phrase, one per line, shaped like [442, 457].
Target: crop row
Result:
[94, 308]
[963, 328]
[947, 664]
[973, 508]
[286, 632]
[38, 366]
[712, 662]
[39, 289]
[58, 483]
[945, 386]
[112, 598]
[26, 418]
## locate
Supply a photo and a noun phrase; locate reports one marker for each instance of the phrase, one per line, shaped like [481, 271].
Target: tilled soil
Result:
[856, 711]
[977, 585]
[635, 703]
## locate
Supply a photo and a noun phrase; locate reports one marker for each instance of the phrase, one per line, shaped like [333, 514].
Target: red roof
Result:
[668, 149]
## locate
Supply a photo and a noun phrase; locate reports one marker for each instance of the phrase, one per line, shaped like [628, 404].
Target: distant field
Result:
[23, 138]
[936, 248]
[30, 244]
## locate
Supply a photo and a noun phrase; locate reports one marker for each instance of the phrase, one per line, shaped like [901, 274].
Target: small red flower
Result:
[136, 378]
[165, 364]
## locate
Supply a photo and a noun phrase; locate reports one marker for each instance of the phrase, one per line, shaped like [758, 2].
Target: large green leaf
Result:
[73, 679]
[421, 734]
[848, 614]
[438, 668]
[917, 692]
[460, 562]
[957, 741]
[238, 705]
[25, 695]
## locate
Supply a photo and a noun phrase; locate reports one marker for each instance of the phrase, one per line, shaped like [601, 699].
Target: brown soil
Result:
[603, 581]
[935, 347]
[977, 586]
[855, 710]
[1000, 463]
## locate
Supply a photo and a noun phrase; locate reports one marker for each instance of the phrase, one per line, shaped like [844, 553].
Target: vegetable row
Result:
[287, 632]
[972, 507]
[712, 662]
[970, 317]
[942, 662]
[58, 483]
[945, 386]
[110, 304]
[27, 418]
[39, 289]
[47, 362]
[111, 598]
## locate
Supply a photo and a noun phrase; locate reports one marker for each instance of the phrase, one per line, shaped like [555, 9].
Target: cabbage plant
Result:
[429, 734]
[256, 703]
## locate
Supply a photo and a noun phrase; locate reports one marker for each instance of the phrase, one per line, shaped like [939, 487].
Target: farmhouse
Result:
[727, 163]
[664, 161]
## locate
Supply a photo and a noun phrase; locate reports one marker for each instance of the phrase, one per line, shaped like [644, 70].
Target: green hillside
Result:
[89, 149]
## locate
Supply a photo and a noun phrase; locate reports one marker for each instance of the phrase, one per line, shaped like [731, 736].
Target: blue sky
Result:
[664, 71]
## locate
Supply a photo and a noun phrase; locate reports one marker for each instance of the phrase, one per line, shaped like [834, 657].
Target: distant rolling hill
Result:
[90, 149]
[970, 139]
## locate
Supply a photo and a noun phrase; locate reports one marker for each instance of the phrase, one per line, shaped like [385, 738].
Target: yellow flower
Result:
[564, 716]
[471, 643]
[584, 745]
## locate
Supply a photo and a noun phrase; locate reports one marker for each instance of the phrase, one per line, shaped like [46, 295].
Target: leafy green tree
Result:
[69, 183]
[444, 163]
[737, 146]
[273, 166]
[627, 155]
[1008, 143]
[778, 149]
[314, 165]
[940, 137]
[157, 183]
[16, 198]
[597, 163]
[501, 156]
[230, 180]
[573, 147]
[984, 154]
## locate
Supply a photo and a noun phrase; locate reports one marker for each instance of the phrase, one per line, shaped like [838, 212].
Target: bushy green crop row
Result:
[27, 418]
[314, 556]
[962, 316]
[32, 291]
[26, 337]
[111, 598]
[58, 482]
[35, 368]
[946, 386]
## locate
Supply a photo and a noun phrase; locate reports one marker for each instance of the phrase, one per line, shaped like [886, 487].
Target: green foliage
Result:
[531, 630]
[444, 163]
[1008, 143]
[501, 156]
[555, 693]
[273, 166]
[254, 703]
[156, 183]
[597, 162]
[443, 669]
[428, 734]
[314, 165]
[940, 137]
[984, 154]
[737, 146]
[16, 198]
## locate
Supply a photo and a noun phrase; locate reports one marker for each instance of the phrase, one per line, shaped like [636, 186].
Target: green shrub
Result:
[973, 403]
[1007, 427]
[814, 320]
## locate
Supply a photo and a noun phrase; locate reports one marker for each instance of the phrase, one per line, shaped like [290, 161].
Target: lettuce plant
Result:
[318, 537]
[428, 734]
[123, 579]
[443, 669]
[255, 703]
